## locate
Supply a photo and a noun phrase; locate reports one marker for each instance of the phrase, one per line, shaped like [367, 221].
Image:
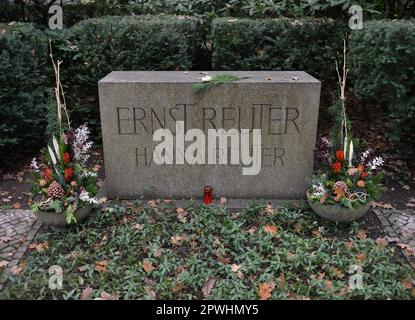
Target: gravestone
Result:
[135, 105]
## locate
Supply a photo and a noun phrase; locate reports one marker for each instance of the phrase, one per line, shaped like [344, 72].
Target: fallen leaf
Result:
[252, 230]
[265, 290]
[106, 296]
[361, 256]
[269, 209]
[181, 214]
[208, 286]
[101, 266]
[39, 247]
[102, 200]
[147, 266]
[16, 205]
[298, 227]
[328, 284]
[337, 273]
[406, 187]
[223, 259]
[235, 267]
[223, 201]
[410, 205]
[152, 203]
[375, 204]
[381, 242]
[349, 245]
[361, 234]
[5, 239]
[271, 229]
[407, 284]
[86, 293]
[3, 263]
[16, 270]
[138, 226]
[177, 240]
[178, 287]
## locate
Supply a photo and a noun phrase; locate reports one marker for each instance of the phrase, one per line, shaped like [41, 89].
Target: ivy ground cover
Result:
[138, 250]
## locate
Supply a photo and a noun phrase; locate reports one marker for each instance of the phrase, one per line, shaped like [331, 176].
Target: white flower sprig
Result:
[34, 165]
[376, 163]
[86, 197]
[81, 144]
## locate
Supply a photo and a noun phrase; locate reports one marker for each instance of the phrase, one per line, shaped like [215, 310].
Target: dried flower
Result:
[47, 174]
[340, 155]
[337, 166]
[361, 184]
[68, 174]
[66, 158]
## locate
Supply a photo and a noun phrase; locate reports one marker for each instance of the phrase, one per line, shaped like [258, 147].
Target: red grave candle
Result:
[207, 195]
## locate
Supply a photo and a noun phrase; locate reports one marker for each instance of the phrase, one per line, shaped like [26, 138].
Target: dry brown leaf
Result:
[208, 286]
[235, 267]
[177, 240]
[337, 273]
[16, 270]
[381, 242]
[407, 284]
[375, 204]
[223, 259]
[3, 263]
[86, 293]
[101, 266]
[106, 296]
[349, 245]
[328, 284]
[178, 287]
[269, 209]
[361, 256]
[298, 227]
[102, 200]
[271, 229]
[265, 290]
[181, 214]
[16, 205]
[39, 247]
[361, 234]
[147, 266]
[152, 203]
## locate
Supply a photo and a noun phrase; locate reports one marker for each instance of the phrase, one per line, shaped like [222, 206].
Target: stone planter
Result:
[54, 219]
[336, 213]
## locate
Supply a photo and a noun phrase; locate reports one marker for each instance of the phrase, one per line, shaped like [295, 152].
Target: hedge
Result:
[278, 44]
[23, 95]
[382, 69]
[93, 48]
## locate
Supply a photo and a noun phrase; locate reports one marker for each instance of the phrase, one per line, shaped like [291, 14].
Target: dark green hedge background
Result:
[381, 56]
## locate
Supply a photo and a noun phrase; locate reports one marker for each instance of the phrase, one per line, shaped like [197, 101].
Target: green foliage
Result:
[203, 9]
[216, 80]
[210, 241]
[278, 44]
[93, 48]
[382, 68]
[23, 96]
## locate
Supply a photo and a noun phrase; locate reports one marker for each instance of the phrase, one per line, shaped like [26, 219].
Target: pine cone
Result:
[55, 190]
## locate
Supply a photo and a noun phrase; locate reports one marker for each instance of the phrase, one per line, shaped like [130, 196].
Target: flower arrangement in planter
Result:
[343, 191]
[63, 189]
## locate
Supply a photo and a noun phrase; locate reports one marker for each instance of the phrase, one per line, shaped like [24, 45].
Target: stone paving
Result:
[398, 224]
[17, 229]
